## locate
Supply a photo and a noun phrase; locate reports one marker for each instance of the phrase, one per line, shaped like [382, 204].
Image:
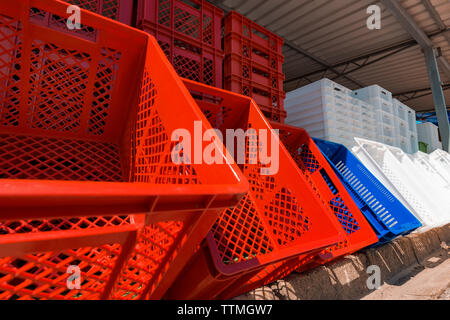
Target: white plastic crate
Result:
[386, 133]
[413, 142]
[400, 109]
[371, 92]
[412, 121]
[404, 144]
[414, 188]
[314, 100]
[437, 169]
[441, 159]
[322, 108]
[401, 127]
[428, 132]
[384, 117]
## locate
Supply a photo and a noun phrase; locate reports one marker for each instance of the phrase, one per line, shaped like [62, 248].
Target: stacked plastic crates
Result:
[272, 228]
[119, 10]
[189, 33]
[417, 184]
[358, 233]
[428, 133]
[406, 130]
[327, 111]
[253, 64]
[381, 100]
[387, 215]
[86, 175]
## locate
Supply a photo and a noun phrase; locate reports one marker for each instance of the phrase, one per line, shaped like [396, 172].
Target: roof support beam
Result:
[436, 17]
[418, 93]
[362, 61]
[417, 33]
[408, 23]
[438, 97]
[297, 48]
[369, 58]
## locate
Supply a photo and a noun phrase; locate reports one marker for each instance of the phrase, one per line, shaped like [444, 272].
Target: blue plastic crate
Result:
[387, 215]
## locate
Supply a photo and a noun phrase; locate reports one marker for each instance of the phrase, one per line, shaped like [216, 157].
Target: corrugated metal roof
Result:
[335, 31]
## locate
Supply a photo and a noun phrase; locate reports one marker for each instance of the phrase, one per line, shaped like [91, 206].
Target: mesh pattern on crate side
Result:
[44, 275]
[308, 163]
[186, 67]
[154, 162]
[243, 233]
[286, 218]
[10, 53]
[28, 157]
[60, 224]
[344, 215]
[58, 81]
[110, 8]
[240, 234]
[156, 245]
[186, 23]
[207, 29]
[164, 12]
[106, 76]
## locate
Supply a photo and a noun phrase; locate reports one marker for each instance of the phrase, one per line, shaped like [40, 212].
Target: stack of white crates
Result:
[328, 111]
[405, 126]
[332, 112]
[381, 101]
[428, 133]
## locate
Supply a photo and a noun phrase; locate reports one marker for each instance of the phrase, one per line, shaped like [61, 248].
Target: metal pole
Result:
[438, 97]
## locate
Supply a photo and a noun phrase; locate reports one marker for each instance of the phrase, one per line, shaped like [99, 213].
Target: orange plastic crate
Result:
[358, 232]
[281, 216]
[86, 176]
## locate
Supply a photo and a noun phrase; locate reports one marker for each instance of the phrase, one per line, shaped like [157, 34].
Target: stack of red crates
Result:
[120, 10]
[189, 32]
[253, 64]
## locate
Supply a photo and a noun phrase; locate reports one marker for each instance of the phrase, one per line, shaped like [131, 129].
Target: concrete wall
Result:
[347, 277]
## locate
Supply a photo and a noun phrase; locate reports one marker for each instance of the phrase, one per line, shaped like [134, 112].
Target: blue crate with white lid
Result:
[387, 215]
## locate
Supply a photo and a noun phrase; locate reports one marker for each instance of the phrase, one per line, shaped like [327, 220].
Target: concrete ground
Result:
[421, 282]
[413, 267]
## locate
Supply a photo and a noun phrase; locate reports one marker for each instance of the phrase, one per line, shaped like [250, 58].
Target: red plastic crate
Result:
[247, 69]
[249, 50]
[189, 32]
[282, 215]
[191, 59]
[359, 233]
[268, 275]
[292, 138]
[261, 38]
[270, 100]
[196, 19]
[253, 64]
[119, 10]
[86, 174]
